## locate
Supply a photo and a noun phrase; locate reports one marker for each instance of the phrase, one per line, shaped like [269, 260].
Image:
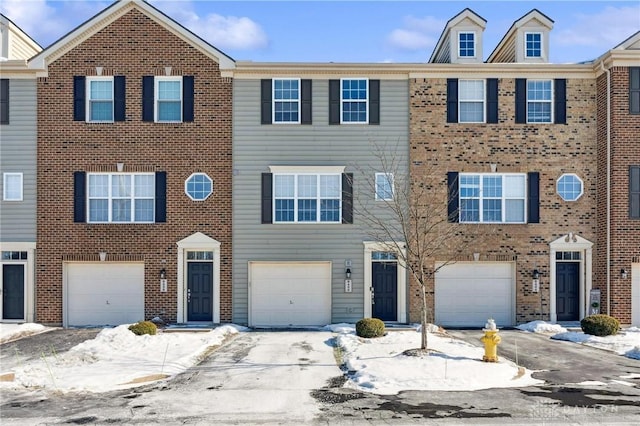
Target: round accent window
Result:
[569, 187]
[198, 187]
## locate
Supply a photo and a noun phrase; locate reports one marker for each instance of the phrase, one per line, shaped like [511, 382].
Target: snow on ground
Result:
[16, 331]
[626, 342]
[118, 359]
[378, 365]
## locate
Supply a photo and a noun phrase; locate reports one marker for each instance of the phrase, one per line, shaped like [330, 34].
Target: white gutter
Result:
[608, 187]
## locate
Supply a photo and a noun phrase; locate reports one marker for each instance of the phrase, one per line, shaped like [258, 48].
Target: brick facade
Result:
[438, 147]
[132, 46]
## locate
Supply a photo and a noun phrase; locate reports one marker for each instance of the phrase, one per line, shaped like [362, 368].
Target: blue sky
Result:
[349, 31]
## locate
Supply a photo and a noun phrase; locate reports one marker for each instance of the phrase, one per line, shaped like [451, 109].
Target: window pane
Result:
[101, 90]
[285, 89]
[533, 45]
[354, 104]
[469, 186]
[354, 112]
[539, 90]
[284, 186]
[307, 185]
[330, 186]
[101, 111]
[471, 90]
[144, 211]
[199, 186]
[169, 111]
[98, 185]
[469, 210]
[169, 90]
[13, 187]
[569, 187]
[384, 187]
[329, 210]
[466, 44]
[514, 211]
[492, 210]
[284, 211]
[514, 187]
[471, 112]
[145, 186]
[98, 210]
[121, 186]
[492, 186]
[538, 112]
[121, 211]
[307, 210]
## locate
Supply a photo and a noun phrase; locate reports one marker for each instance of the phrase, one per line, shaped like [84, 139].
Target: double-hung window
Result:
[307, 198]
[99, 99]
[354, 100]
[533, 45]
[466, 45]
[286, 101]
[12, 187]
[384, 186]
[471, 101]
[539, 101]
[168, 96]
[121, 197]
[492, 198]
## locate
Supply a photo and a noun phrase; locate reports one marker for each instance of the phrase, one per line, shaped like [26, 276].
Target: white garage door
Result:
[104, 293]
[290, 294]
[467, 294]
[635, 294]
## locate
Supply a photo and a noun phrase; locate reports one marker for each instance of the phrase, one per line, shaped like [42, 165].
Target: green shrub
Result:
[600, 325]
[370, 327]
[143, 327]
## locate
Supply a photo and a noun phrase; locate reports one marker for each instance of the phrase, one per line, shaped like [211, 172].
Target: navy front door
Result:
[199, 291]
[385, 290]
[13, 292]
[567, 291]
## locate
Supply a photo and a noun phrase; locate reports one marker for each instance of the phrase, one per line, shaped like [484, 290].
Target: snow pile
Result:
[10, 332]
[626, 342]
[542, 327]
[340, 328]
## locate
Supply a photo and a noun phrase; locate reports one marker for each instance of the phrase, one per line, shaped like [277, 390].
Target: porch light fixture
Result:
[623, 274]
[536, 274]
[348, 273]
[163, 274]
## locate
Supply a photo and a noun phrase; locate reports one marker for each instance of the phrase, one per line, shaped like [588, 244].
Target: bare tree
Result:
[413, 221]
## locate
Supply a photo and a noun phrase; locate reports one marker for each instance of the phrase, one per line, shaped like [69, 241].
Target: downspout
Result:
[606, 70]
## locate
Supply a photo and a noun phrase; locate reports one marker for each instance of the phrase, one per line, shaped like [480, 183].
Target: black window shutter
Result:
[79, 197]
[147, 98]
[161, 197]
[453, 206]
[634, 90]
[4, 101]
[452, 100]
[334, 101]
[634, 192]
[492, 100]
[533, 199]
[521, 100]
[374, 101]
[347, 198]
[267, 198]
[560, 95]
[187, 98]
[78, 98]
[119, 97]
[265, 101]
[305, 102]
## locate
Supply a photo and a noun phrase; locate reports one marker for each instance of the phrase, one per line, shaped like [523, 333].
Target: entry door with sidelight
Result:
[199, 287]
[384, 274]
[568, 291]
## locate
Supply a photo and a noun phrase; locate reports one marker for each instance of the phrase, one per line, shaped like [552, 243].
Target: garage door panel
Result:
[466, 295]
[104, 293]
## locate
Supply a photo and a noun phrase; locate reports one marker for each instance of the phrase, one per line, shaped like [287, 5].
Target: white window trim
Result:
[156, 98]
[88, 99]
[503, 199]
[186, 186]
[541, 44]
[366, 101]
[274, 101]
[318, 199]
[552, 102]
[581, 186]
[390, 178]
[5, 186]
[475, 49]
[110, 198]
[484, 101]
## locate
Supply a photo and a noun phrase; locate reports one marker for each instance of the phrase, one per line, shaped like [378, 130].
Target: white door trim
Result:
[370, 247]
[571, 242]
[29, 277]
[197, 242]
[635, 294]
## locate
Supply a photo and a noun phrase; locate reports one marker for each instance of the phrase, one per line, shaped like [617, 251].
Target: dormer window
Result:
[533, 45]
[467, 45]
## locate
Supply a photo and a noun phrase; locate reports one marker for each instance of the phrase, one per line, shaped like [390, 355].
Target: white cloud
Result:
[602, 30]
[416, 33]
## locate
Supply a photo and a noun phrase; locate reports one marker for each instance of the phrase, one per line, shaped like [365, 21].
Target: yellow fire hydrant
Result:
[491, 341]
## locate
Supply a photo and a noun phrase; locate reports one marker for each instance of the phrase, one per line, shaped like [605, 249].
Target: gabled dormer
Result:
[461, 40]
[527, 41]
[15, 43]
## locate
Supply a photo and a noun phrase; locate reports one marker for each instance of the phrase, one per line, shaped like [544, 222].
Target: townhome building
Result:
[18, 167]
[134, 173]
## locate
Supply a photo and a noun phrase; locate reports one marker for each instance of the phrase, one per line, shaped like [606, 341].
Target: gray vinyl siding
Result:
[256, 147]
[18, 154]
